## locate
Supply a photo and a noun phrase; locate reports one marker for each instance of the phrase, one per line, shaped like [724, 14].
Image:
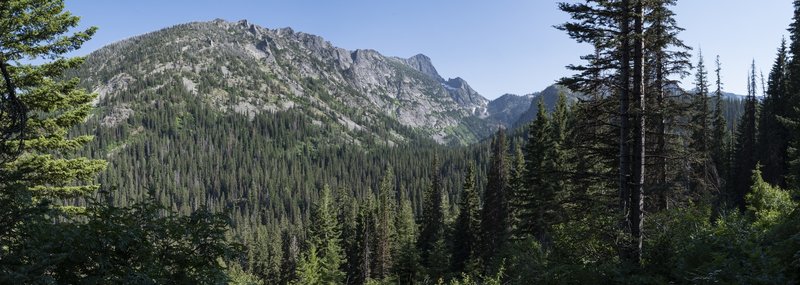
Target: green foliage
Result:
[768, 204]
[466, 279]
[39, 105]
[432, 222]
[704, 176]
[773, 132]
[792, 120]
[466, 232]
[141, 244]
[385, 227]
[550, 215]
[406, 258]
[495, 215]
[731, 250]
[720, 138]
[237, 276]
[745, 148]
[309, 268]
[325, 236]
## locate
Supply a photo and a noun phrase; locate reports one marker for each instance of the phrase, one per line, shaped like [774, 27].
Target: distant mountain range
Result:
[240, 68]
[245, 69]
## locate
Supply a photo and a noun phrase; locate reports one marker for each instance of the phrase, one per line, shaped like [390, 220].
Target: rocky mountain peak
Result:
[463, 93]
[422, 63]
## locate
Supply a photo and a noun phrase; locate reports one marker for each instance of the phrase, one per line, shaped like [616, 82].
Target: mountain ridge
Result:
[242, 68]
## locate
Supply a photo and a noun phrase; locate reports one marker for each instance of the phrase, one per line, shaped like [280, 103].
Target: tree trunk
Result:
[661, 140]
[624, 126]
[624, 129]
[638, 171]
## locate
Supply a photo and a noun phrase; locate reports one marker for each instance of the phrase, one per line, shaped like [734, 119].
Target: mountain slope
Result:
[508, 108]
[245, 69]
[550, 97]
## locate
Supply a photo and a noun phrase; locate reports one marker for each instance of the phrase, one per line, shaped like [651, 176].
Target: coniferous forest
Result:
[625, 178]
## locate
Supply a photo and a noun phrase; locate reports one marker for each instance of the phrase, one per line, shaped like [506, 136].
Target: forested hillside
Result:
[227, 153]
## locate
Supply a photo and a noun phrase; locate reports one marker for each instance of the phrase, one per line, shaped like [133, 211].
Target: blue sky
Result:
[500, 46]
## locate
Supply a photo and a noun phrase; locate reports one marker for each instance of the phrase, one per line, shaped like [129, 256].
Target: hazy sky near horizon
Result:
[501, 46]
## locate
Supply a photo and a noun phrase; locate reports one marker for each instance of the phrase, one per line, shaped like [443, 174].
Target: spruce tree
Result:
[638, 112]
[773, 134]
[667, 57]
[365, 247]
[700, 124]
[385, 227]
[745, 149]
[348, 217]
[467, 227]
[607, 26]
[538, 199]
[636, 50]
[431, 235]
[406, 257]
[560, 163]
[517, 184]
[495, 221]
[309, 268]
[720, 135]
[793, 97]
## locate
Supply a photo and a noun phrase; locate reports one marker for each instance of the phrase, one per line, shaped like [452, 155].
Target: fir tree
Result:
[38, 108]
[39, 105]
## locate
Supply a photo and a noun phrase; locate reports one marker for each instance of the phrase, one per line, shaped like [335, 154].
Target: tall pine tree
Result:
[495, 217]
[324, 239]
[773, 135]
[537, 201]
[745, 149]
[406, 257]
[385, 227]
[793, 97]
[38, 107]
[431, 237]
[467, 227]
[703, 174]
[720, 135]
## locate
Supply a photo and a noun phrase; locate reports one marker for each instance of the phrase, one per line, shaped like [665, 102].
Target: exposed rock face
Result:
[247, 69]
[423, 64]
